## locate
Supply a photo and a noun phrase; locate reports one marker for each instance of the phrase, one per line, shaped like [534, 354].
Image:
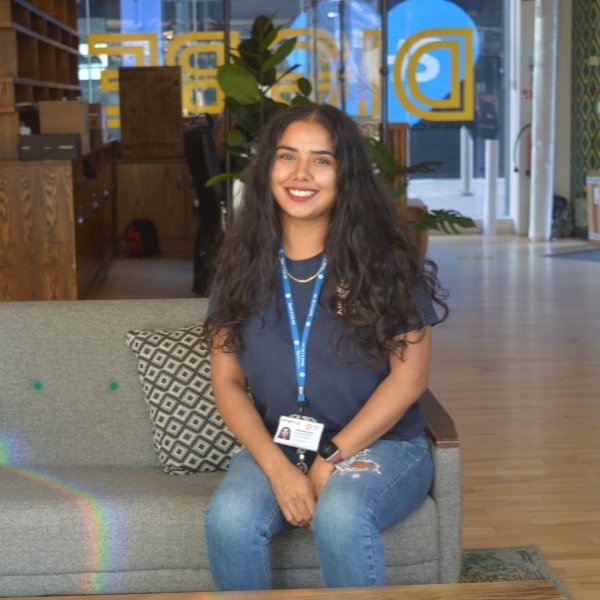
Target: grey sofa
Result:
[85, 506]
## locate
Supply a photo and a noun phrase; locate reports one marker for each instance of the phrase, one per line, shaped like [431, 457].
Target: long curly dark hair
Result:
[371, 257]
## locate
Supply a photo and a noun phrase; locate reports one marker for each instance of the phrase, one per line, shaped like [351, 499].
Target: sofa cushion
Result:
[174, 369]
[100, 530]
[101, 519]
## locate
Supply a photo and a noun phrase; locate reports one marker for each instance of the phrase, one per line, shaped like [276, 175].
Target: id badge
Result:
[299, 433]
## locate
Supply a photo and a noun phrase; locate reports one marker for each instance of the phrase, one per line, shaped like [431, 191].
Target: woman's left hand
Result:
[319, 473]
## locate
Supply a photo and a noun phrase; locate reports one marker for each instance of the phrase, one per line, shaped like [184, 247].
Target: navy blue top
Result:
[339, 380]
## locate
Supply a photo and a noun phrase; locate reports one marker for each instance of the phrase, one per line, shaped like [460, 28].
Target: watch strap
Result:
[335, 458]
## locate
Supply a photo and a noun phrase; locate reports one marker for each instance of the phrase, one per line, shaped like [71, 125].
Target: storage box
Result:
[66, 116]
[61, 146]
[49, 146]
[593, 202]
[29, 147]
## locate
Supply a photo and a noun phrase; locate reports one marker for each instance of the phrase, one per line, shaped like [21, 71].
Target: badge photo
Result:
[299, 432]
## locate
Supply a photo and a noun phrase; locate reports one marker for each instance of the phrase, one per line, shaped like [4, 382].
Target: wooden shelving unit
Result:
[38, 61]
[57, 228]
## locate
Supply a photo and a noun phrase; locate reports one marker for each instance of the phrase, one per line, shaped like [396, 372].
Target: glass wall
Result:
[445, 61]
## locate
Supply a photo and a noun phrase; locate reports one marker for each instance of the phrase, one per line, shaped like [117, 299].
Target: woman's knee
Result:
[340, 514]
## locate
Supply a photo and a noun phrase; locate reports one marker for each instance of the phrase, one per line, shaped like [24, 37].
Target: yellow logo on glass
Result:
[459, 105]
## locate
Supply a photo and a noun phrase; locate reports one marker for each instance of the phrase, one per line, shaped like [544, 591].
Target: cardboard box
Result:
[66, 116]
[593, 204]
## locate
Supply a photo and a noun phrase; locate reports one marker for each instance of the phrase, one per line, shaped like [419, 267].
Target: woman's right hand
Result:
[294, 492]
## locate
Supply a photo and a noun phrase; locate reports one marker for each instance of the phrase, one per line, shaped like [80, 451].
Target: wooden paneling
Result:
[37, 240]
[56, 224]
[155, 190]
[398, 143]
[151, 112]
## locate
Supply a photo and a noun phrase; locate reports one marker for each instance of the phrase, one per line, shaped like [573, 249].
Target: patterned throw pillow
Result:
[174, 369]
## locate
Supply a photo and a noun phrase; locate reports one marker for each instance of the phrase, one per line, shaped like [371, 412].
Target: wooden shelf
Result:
[38, 60]
[61, 13]
[56, 39]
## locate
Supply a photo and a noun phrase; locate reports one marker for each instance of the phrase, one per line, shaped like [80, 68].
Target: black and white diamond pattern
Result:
[174, 369]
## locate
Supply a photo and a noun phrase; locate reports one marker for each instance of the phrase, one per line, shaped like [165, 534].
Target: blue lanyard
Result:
[300, 344]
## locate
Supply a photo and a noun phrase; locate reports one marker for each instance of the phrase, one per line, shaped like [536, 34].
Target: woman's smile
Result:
[301, 194]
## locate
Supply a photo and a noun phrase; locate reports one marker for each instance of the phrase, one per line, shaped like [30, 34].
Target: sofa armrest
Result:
[440, 426]
[447, 484]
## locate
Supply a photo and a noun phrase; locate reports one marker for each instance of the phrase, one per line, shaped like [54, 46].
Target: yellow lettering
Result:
[456, 107]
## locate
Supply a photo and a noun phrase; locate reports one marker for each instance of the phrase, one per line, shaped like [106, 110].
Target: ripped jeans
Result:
[365, 495]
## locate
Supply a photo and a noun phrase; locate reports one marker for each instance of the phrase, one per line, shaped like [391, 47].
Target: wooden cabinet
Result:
[38, 61]
[151, 112]
[94, 210]
[158, 190]
[56, 226]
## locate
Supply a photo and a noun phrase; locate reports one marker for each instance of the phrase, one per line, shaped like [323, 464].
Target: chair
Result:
[202, 161]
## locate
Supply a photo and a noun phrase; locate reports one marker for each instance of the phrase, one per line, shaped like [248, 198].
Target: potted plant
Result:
[419, 218]
[247, 83]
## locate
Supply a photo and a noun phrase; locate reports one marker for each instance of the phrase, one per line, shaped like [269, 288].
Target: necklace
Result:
[311, 278]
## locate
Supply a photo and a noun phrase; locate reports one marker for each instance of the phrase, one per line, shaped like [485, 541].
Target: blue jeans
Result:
[365, 495]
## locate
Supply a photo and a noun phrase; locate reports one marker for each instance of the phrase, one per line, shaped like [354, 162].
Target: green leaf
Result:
[220, 178]
[300, 100]
[382, 158]
[423, 167]
[286, 72]
[444, 220]
[269, 38]
[261, 27]
[282, 52]
[269, 77]
[243, 173]
[238, 83]
[401, 188]
[305, 86]
[235, 138]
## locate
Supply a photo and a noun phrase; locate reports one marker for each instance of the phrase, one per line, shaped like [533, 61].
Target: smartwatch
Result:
[330, 452]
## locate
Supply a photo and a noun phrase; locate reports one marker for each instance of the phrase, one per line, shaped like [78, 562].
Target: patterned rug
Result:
[520, 563]
[592, 254]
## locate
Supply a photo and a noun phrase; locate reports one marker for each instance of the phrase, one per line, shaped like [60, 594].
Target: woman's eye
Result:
[323, 161]
[286, 156]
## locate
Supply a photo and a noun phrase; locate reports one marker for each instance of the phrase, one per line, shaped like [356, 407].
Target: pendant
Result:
[301, 464]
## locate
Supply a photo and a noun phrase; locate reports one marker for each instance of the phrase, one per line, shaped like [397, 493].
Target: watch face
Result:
[327, 449]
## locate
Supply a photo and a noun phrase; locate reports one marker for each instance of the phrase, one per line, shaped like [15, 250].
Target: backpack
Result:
[141, 239]
[562, 218]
